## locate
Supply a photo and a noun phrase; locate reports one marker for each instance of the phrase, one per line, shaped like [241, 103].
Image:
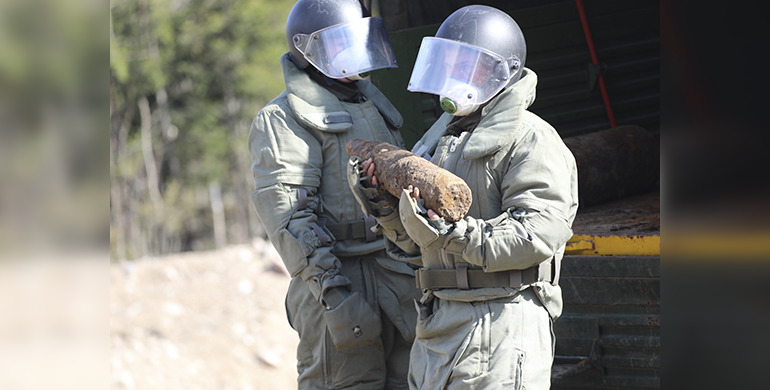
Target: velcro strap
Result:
[301, 198]
[464, 278]
[461, 275]
[544, 271]
[356, 230]
[340, 117]
[515, 278]
[325, 239]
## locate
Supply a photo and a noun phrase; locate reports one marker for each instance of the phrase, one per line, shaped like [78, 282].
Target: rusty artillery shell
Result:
[396, 169]
[615, 163]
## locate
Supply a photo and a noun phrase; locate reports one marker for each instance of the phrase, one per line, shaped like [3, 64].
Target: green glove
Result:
[423, 231]
[373, 201]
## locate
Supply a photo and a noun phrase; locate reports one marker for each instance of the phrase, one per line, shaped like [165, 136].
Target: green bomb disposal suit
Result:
[490, 280]
[299, 162]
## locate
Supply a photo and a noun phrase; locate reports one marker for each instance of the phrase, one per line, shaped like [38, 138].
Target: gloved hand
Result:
[429, 232]
[363, 184]
[351, 321]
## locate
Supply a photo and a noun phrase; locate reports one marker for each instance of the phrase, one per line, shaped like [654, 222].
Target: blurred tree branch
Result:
[197, 72]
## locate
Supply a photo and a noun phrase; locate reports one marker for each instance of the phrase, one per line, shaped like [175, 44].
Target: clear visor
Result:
[348, 49]
[459, 71]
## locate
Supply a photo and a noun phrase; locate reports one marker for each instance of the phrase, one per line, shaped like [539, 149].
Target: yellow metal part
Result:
[743, 244]
[608, 245]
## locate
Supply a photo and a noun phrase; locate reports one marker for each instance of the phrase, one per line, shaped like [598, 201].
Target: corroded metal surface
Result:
[448, 195]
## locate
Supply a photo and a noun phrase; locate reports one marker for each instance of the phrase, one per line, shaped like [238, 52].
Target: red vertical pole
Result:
[595, 60]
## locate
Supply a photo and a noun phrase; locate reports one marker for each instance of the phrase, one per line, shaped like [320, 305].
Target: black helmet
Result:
[488, 28]
[338, 37]
[477, 51]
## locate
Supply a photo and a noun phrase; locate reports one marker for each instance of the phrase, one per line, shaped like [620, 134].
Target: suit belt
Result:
[353, 230]
[463, 278]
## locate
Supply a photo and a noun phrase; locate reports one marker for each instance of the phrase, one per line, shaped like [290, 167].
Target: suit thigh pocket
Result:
[472, 358]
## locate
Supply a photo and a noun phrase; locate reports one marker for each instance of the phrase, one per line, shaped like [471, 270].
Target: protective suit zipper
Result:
[452, 147]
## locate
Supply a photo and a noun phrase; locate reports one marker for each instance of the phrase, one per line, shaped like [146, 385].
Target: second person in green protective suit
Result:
[490, 280]
[351, 304]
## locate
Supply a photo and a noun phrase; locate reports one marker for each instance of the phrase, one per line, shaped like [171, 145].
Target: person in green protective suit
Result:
[351, 304]
[490, 280]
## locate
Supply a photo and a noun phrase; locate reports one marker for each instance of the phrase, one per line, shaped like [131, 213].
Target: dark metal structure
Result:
[625, 40]
[609, 334]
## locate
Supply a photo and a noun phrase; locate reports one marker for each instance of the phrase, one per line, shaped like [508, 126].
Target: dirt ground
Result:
[206, 320]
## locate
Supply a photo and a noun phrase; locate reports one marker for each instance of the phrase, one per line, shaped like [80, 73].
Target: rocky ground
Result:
[206, 320]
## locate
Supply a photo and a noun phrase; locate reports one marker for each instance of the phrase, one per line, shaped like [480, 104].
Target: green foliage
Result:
[217, 64]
